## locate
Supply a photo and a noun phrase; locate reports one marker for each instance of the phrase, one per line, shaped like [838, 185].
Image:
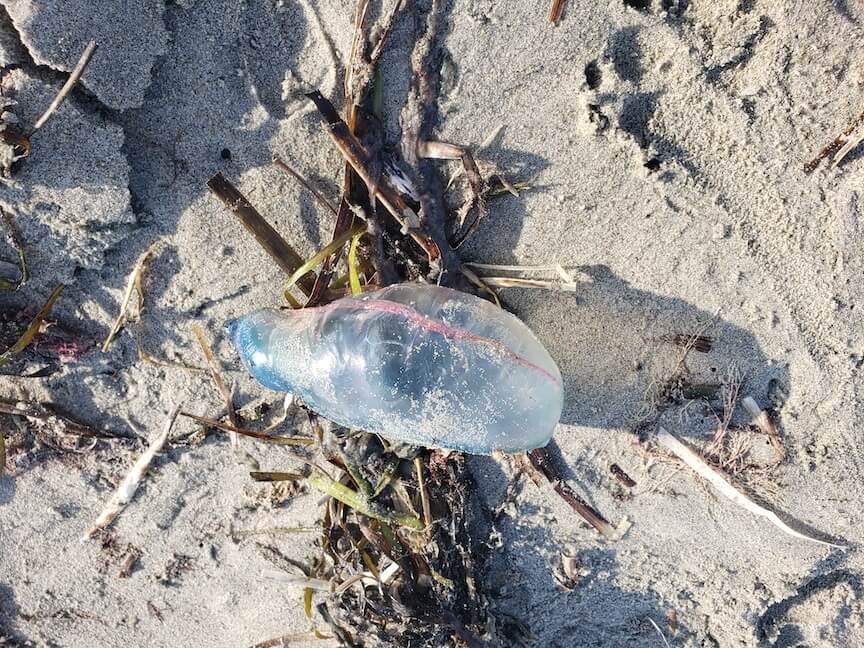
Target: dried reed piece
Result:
[719, 481]
[86, 55]
[134, 284]
[216, 374]
[379, 185]
[126, 490]
[267, 237]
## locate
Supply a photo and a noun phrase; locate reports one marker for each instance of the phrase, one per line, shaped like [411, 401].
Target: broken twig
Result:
[556, 10]
[719, 481]
[267, 237]
[841, 146]
[541, 460]
[260, 436]
[126, 490]
[379, 184]
[287, 170]
[86, 55]
[216, 374]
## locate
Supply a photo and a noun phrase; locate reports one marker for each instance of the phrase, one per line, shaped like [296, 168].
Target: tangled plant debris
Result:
[395, 547]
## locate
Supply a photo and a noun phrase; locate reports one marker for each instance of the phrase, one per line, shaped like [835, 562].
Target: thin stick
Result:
[86, 55]
[556, 10]
[267, 237]
[719, 481]
[477, 281]
[245, 533]
[295, 637]
[541, 461]
[378, 50]
[840, 146]
[424, 498]
[260, 476]
[355, 57]
[359, 158]
[37, 411]
[660, 632]
[514, 282]
[216, 374]
[522, 269]
[279, 164]
[134, 283]
[267, 438]
[126, 490]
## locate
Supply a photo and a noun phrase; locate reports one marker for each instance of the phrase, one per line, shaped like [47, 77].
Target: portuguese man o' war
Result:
[414, 363]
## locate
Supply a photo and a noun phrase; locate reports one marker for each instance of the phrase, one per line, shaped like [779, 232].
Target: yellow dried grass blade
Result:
[319, 258]
[33, 329]
[307, 602]
[353, 266]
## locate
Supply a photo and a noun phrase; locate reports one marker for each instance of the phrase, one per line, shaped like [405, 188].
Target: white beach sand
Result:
[671, 175]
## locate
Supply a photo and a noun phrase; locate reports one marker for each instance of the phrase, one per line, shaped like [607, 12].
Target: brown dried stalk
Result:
[841, 146]
[541, 460]
[260, 436]
[365, 166]
[267, 237]
[556, 10]
[287, 170]
[44, 412]
[216, 374]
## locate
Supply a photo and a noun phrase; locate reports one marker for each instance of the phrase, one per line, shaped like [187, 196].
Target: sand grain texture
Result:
[666, 149]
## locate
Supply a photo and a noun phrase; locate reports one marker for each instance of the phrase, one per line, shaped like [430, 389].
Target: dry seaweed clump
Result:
[404, 573]
[395, 559]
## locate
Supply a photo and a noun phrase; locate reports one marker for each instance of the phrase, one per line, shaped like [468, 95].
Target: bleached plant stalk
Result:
[523, 279]
[763, 421]
[134, 284]
[718, 481]
[126, 490]
[216, 374]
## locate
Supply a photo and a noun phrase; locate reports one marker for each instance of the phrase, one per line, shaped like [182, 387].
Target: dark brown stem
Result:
[368, 169]
[267, 237]
[419, 118]
[287, 170]
[541, 460]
